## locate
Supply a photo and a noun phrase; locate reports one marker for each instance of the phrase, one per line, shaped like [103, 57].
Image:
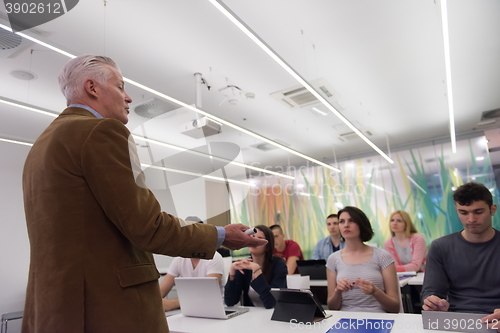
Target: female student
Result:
[361, 277]
[256, 276]
[406, 246]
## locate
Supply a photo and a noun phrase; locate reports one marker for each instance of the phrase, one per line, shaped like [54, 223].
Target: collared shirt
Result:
[88, 108]
[324, 248]
[221, 232]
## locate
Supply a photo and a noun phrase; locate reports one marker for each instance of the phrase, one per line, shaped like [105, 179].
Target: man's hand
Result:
[237, 239]
[434, 303]
[493, 320]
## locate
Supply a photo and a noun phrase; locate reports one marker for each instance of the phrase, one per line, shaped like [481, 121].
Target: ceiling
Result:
[383, 61]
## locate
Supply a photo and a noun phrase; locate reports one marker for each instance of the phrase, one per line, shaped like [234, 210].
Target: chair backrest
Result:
[296, 281]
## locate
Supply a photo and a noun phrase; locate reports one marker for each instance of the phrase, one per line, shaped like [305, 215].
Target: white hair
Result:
[76, 71]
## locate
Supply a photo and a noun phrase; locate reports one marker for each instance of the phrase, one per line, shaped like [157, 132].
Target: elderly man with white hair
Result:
[92, 223]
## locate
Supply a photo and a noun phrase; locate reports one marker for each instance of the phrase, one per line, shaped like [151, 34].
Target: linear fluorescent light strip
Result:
[16, 142]
[29, 108]
[154, 167]
[415, 183]
[241, 129]
[39, 42]
[447, 62]
[157, 93]
[196, 174]
[243, 27]
[137, 137]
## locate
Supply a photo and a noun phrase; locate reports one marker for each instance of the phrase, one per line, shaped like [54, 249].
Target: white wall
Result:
[14, 246]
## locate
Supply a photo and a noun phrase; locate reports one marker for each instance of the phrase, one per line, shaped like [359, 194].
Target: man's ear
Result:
[91, 87]
[493, 209]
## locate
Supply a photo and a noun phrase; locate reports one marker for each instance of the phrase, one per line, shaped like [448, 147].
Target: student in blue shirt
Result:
[330, 243]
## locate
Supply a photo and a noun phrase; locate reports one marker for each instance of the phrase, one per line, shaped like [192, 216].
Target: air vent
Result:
[11, 44]
[298, 96]
[351, 136]
[492, 114]
[9, 40]
[158, 109]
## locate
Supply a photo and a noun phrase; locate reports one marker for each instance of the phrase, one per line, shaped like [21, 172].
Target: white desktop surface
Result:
[417, 280]
[319, 283]
[258, 320]
[413, 281]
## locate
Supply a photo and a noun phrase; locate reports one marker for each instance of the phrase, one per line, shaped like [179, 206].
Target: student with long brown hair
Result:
[361, 277]
[254, 277]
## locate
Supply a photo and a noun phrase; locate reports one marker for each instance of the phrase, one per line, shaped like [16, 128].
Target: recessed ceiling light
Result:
[23, 75]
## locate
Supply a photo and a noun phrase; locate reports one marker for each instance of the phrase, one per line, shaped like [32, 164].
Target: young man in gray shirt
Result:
[462, 273]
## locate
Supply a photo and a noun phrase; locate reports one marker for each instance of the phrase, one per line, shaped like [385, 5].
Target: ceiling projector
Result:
[201, 127]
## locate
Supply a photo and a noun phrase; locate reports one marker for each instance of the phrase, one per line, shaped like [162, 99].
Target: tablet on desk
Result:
[299, 305]
[456, 322]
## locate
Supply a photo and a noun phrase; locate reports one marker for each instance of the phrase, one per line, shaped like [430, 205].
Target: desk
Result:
[417, 280]
[410, 293]
[259, 320]
[414, 280]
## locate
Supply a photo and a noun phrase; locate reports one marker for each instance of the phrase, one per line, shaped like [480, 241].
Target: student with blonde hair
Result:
[406, 245]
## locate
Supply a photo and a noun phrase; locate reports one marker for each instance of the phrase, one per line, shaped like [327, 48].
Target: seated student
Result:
[189, 267]
[406, 246]
[255, 277]
[331, 243]
[286, 249]
[462, 273]
[361, 277]
[186, 267]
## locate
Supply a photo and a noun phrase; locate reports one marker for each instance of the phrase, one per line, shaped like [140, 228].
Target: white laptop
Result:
[456, 322]
[201, 297]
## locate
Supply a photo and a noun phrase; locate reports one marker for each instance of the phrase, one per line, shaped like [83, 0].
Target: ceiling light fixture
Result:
[196, 174]
[16, 142]
[173, 100]
[138, 137]
[447, 63]
[39, 42]
[47, 113]
[227, 123]
[154, 167]
[253, 36]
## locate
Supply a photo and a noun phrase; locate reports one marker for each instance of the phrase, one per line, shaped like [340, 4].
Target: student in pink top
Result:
[406, 245]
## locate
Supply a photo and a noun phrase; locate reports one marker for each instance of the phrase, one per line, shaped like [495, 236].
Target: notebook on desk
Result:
[201, 297]
[316, 269]
[455, 321]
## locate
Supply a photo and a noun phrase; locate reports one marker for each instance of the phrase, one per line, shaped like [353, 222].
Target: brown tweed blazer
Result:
[92, 230]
